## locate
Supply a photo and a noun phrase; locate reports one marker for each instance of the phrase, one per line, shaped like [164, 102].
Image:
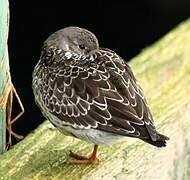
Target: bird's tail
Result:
[160, 140]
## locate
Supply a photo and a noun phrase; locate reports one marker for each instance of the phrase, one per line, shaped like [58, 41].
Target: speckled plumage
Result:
[90, 92]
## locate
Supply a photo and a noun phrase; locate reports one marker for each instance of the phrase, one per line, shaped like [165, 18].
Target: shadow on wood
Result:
[164, 73]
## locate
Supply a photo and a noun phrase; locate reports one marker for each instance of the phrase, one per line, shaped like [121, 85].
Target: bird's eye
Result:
[81, 46]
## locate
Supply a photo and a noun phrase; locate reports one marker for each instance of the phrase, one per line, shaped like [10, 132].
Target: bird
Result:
[90, 93]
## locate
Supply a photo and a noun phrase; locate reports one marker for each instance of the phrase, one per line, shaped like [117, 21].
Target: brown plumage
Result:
[90, 92]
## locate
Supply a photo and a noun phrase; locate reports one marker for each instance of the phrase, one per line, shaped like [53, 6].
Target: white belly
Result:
[91, 135]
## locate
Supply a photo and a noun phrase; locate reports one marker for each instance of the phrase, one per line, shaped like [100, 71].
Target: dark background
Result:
[123, 26]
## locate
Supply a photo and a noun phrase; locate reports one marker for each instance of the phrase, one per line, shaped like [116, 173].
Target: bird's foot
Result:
[82, 159]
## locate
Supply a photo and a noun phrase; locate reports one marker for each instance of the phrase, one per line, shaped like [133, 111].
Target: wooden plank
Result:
[4, 17]
[163, 70]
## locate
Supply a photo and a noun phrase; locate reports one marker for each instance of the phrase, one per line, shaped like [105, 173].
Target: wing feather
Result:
[105, 96]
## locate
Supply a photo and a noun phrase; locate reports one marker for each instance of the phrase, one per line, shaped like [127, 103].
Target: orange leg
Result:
[9, 112]
[85, 160]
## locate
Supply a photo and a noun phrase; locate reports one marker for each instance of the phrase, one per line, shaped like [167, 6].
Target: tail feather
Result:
[160, 140]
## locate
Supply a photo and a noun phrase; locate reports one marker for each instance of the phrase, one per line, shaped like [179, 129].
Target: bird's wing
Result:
[104, 96]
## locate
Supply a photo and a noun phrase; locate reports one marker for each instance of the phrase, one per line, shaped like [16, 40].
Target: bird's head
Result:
[71, 40]
[74, 39]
